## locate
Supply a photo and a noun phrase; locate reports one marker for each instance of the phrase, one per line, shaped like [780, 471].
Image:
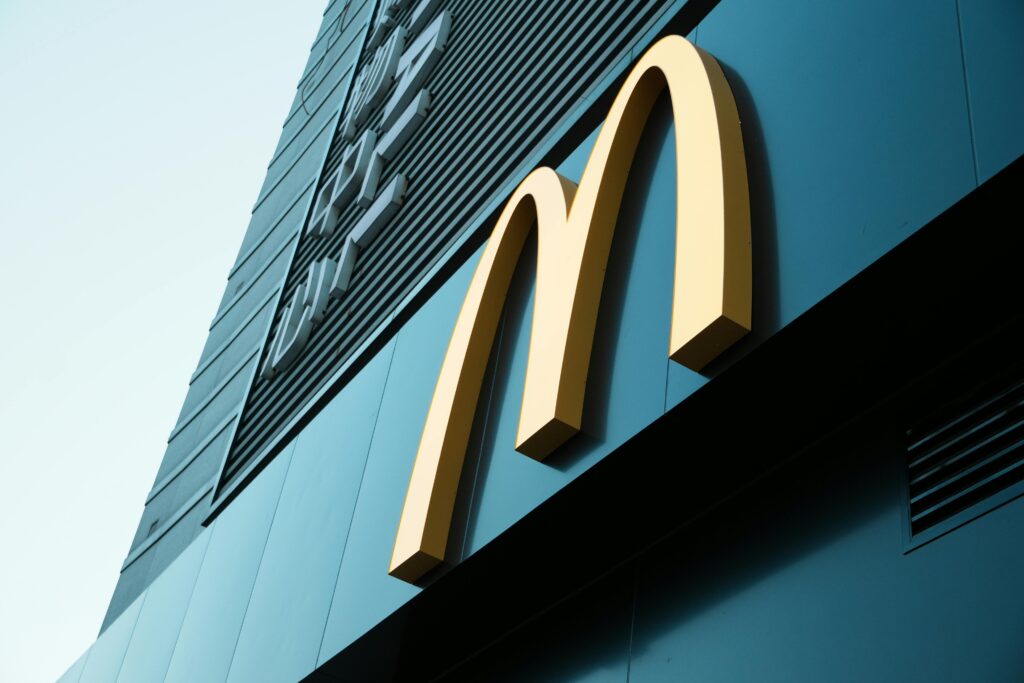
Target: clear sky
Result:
[134, 137]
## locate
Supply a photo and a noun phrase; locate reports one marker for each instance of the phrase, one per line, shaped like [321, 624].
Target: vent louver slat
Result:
[966, 454]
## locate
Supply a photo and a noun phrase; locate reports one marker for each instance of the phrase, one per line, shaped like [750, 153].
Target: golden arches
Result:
[711, 306]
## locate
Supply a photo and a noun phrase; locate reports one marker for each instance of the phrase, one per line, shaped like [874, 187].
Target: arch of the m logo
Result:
[711, 294]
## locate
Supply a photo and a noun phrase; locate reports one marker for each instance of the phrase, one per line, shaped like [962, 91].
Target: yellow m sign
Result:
[711, 298]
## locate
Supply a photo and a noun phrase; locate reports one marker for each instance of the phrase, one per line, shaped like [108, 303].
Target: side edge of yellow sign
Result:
[711, 307]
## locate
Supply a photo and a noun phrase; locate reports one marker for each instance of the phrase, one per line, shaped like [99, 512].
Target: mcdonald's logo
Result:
[711, 305]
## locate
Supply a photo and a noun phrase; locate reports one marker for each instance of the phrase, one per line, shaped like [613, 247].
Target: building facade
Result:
[643, 340]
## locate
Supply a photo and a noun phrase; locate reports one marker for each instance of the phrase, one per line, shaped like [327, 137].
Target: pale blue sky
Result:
[134, 136]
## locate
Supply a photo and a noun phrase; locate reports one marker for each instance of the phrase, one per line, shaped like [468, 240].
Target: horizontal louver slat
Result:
[966, 454]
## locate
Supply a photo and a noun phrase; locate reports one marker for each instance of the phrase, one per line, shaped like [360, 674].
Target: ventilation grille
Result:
[966, 454]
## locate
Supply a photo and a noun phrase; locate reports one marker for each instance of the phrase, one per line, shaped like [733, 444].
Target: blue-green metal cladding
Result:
[180, 498]
[862, 122]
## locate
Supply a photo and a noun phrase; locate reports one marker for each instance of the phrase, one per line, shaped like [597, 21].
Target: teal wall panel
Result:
[816, 585]
[74, 672]
[156, 630]
[856, 130]
[994, 62]
[290, 600]
[210, 629]
[365, 594]
[107, 653]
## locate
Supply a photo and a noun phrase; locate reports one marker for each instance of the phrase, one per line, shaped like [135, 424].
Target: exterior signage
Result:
[401, 71]
[711, 297]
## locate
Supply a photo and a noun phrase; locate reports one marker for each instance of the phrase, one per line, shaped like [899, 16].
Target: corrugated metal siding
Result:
[511, 71]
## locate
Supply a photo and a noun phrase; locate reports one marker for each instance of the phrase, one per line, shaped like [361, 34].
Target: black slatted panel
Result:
[511, 71]
[966, 453]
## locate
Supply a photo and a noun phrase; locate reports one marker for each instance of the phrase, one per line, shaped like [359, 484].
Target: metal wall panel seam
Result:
[297, 104]
[614, 72]
[299, 154]
[967, 94]
[355, 501]
[259, 563]
[312, 115]
[135, 623]
[235, 483]
[263, 238]
[213, 394]
[258, 273]
[291, 114]
[290, 168]
[88, 653]
[312, 70]
[192, 455]
[308, 77]
[171, 521]
[255, 277]
[330, 4]
[284, 278]
[188, 600]
[327, 10]
[488, 379]
[327, 27]
[234, 335]
[325, 23]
